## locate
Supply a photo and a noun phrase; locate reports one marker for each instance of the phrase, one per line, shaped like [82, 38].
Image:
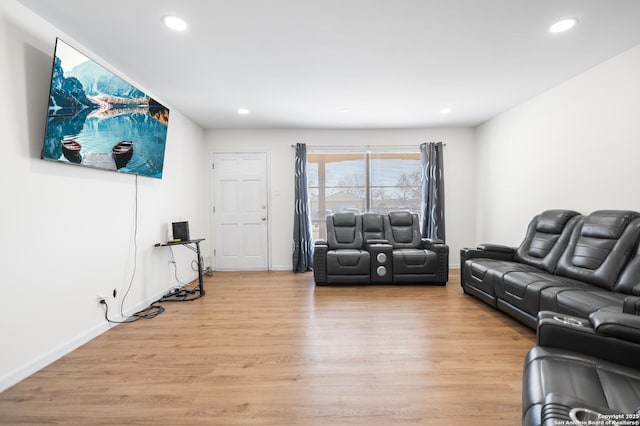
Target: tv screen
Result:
[96, 119]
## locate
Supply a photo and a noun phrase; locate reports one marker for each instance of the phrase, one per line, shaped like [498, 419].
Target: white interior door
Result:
[240, 211]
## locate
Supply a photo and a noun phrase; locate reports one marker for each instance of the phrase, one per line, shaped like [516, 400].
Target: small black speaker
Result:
[180, 231]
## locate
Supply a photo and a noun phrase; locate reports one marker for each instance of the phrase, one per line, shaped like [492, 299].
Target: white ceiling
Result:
[391, 63]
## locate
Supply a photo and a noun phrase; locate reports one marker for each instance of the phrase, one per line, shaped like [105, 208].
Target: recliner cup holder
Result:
[585, 415]
[569, 320]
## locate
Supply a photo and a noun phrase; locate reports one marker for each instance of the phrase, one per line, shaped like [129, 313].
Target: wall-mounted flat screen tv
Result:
[96, 119]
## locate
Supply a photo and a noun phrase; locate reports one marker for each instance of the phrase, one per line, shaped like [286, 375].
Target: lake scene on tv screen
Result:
[96, 119]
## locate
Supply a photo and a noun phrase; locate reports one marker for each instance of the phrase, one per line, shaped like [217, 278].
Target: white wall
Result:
[574, 147]
[69, 231]
[459, 166]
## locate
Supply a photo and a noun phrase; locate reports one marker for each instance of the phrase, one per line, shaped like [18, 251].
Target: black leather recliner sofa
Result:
[377, 248]
[567, 263]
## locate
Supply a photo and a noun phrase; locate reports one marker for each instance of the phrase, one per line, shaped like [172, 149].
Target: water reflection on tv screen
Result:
[96, 119]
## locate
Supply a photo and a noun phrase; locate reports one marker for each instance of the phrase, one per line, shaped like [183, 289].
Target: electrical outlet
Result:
[101, 298]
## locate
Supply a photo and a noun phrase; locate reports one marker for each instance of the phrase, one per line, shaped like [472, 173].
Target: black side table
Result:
[193, 245]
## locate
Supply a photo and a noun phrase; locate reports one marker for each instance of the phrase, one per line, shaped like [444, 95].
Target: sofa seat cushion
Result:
[348, 262]
[481, 273]
[522, 289]
[414, 261]
[600, 383]
[582, 303]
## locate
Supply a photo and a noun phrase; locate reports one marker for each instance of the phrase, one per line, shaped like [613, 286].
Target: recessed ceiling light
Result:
[564, 25]
[345, 110]
[174, 23]
[446, 111]
[243, 111]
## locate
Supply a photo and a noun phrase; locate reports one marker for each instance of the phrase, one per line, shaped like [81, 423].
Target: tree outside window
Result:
[361, 182]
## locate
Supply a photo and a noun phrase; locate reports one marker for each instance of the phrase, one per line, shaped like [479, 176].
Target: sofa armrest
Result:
[426, 241]
[320, 250]
[497, 248]
[579, 335]
[620, 325]
[435, 245]
[487, 251]
[563, 331]
[376, 241]
[442, 251]
[631, 305]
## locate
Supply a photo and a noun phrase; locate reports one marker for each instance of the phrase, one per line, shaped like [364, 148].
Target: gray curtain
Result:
[432, 190]
[302, 238]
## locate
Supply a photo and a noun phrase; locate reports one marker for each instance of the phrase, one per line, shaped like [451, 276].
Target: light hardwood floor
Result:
[270, 348]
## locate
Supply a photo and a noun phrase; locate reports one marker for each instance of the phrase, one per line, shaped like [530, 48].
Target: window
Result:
[361, 182]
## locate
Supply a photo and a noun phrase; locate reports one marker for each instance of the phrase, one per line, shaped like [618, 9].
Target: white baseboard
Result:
[22, 372]
[281, 268]
[288, 268]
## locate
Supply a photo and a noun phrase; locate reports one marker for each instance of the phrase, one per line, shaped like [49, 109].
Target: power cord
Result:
[154, 309]
[181, 295]
[175, 267]
[151, 312]
[135, 252]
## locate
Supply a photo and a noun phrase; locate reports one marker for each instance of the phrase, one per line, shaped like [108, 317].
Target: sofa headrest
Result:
[344, 219]
[400, 219]
[553, 221]
[607, 224]
[372, 222]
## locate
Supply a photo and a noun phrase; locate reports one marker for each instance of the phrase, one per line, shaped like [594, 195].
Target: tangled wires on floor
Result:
[152, 311]
[179, 294]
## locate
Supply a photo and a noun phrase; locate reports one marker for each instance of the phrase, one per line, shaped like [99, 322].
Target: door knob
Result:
[263, 218]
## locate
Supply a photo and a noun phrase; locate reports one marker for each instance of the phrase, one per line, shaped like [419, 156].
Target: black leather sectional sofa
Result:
[576, 279]
[567, 263]
[378, 248]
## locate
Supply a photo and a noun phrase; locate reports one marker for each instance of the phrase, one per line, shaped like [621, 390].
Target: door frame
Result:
[212, 194]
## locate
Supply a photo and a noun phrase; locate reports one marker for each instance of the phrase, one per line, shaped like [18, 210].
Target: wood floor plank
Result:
[270, 348]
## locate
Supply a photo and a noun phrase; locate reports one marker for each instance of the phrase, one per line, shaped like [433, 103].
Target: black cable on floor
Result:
[150, 312]
[182, 295]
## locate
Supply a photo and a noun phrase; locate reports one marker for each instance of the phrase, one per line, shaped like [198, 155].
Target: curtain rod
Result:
[362, 146]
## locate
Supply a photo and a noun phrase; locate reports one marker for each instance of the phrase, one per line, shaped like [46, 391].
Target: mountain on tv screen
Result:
[96, 119]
